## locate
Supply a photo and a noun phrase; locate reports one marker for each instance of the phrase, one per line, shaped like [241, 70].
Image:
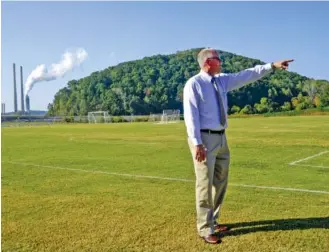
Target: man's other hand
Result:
[282, 64]
[201, 152]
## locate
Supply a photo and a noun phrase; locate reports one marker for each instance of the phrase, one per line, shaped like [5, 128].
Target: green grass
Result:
[322, 160]
[52, 207]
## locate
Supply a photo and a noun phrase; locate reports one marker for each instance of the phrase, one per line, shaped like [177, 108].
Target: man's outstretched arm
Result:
[237, 80]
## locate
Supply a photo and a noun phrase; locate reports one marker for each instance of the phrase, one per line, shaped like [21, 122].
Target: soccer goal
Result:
[170, 116]
[98, 117]
[156, 118]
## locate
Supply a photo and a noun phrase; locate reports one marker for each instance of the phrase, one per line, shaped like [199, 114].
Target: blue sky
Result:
[36, 33]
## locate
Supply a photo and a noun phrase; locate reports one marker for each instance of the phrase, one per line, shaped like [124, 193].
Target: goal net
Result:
[98, 117]
[155, 118]
[170, 116]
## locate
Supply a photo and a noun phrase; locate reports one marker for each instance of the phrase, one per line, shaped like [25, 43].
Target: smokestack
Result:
[3, 108]
[27, 100]
[15, 92]
[22, 91]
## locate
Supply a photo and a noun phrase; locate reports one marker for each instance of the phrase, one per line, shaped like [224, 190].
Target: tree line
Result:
[152, 84]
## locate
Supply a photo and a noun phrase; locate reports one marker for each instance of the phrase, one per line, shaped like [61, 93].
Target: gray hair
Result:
[204, 54]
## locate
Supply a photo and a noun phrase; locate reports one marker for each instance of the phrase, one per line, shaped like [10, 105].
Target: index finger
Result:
[291, 60]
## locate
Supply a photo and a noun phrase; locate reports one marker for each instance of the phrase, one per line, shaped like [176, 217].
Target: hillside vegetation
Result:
[155, 83]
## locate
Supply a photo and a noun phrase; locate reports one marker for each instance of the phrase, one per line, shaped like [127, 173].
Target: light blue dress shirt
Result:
[200, 105]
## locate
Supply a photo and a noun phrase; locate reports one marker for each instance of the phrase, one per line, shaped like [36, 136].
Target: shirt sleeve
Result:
[191, 113]
[237, 80]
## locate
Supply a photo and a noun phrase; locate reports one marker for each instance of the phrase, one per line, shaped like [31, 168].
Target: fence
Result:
[15, 120]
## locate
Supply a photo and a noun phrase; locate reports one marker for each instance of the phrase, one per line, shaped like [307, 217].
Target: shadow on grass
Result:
[273, 225]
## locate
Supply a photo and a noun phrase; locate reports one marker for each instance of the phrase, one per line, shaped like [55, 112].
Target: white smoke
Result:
[70, 60]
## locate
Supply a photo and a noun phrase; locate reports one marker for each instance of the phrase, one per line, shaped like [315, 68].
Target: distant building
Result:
[27, 101]
[3, 108]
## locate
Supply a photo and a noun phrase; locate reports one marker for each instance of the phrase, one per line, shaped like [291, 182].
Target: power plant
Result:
[15, 92]
[27, 101]
[27, 98]
[22, 91]
[3, 108]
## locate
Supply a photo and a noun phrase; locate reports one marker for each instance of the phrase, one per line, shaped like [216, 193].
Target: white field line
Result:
[315, 166]
[298, 161]
[166, 178]
[100, 172]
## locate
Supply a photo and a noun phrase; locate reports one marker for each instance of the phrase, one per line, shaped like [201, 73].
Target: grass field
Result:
[130, 187]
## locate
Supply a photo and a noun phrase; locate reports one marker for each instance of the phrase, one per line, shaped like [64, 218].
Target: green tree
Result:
[286, 106]
[324, 96]
[235, 109]
[310, 87]
[156, 83]
[246, 110]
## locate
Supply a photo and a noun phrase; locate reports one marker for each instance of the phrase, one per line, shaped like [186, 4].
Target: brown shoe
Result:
[221, 228]
[212, 239]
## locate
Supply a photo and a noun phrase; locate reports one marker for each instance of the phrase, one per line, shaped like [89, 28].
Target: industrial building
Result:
[3, 108]
[27, 98]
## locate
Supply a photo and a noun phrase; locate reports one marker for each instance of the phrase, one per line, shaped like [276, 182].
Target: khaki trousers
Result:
[211, 180]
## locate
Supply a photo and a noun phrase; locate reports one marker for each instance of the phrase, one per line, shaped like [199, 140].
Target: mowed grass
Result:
[66, 187]
[318, 161]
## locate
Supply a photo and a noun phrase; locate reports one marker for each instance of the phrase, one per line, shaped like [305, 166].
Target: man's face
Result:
[214, 63]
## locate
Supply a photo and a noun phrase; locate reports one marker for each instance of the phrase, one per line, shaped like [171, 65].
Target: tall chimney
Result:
[3, 108]
[22, 91]
[27, 100]
[15, 92]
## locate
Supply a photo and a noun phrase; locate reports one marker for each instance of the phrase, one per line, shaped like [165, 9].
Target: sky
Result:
[35, 33]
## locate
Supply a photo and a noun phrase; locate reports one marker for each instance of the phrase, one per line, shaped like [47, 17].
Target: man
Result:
[205, 115]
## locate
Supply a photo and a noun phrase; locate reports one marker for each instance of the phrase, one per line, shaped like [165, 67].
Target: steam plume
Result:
[70, 60]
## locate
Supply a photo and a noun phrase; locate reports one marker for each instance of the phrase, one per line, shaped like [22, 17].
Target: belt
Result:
[220, 132]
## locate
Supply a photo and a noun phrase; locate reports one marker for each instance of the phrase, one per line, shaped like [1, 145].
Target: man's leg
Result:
[204, 172]
[222, 164]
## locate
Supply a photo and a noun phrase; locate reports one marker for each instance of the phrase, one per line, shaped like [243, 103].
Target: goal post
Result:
[170, 116]
[98, 117]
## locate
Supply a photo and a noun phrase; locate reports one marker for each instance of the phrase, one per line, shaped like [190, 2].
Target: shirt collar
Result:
[205, 76]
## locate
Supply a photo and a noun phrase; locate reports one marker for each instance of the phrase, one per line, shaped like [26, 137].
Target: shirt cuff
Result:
[196, 141]
[268, 66]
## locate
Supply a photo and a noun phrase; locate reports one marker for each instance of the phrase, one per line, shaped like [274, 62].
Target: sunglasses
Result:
[217, 58]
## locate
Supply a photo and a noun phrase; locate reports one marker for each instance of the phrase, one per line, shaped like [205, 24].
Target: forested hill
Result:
[156, 83]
